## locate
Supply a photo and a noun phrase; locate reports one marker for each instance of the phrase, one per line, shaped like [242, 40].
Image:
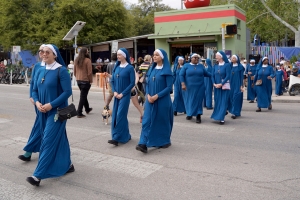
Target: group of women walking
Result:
[194, 86]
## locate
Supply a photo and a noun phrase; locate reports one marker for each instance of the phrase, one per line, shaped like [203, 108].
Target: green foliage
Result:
[269, 28]
[294, 58]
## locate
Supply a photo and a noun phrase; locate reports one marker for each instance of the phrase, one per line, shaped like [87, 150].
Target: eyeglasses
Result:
[45, 52]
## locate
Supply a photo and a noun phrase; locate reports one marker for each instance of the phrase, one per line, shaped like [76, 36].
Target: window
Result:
[238, 23]
[238, 36]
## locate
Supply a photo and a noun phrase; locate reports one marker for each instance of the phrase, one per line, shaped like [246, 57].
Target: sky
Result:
[172, 3]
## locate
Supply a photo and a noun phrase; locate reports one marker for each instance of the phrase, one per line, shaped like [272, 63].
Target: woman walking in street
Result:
[236, 87]
[122, 81]
[263, 81]
[279, 80]
[158, 116]
[250, 72]
[84, 76]
[51, 91]
[220, 79]
[192, 81]
[178, 103]
[34, 141]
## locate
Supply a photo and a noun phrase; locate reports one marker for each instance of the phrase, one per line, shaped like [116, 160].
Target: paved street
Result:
[255, 157]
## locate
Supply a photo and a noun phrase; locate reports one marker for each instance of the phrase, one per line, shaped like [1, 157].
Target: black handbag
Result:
[67, 112]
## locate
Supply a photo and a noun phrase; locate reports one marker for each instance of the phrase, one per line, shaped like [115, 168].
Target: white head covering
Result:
[278, 66]
[219, 54]
[252, 60]
[42, 46]
[121, 52]
[160, 53]
[234, 56]
[51, 47]
[180, 58]
[264, 59]
[195, 55]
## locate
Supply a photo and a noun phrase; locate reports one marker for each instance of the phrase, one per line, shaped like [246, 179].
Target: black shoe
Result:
[233, 117]
[198, 119]
[32, 181]
[81, 116]
[251, 101]
[222, 122]
[175, 113]
[141, 147]
[114, 142]
[209, 108]
[165, 146]
[258, 110]
[88, 112]
[189, 117]
[22, 157]
[71, 169]
[270, 107]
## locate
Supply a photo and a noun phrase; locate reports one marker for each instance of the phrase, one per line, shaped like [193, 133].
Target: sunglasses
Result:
[45, 52]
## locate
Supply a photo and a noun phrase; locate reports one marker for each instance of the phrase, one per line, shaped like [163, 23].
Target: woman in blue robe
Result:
[208, 86]
[251, 71]
[34, 142]
[192, 81]
[178, 102]
[158, 115]
[236, 87]
[122, 81]
[265, 73]
[52, 88]
[279, 79]
[220, 78]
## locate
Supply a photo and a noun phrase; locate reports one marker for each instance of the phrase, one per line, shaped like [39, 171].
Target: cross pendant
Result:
[153, 78]
[219, 71]
[117, 75]
[42, 80]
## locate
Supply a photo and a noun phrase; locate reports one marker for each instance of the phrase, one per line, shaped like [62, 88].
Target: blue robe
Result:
[158, 116]
[251, 93]
[264, 91]
[236, 96]
[178, 103]
[208, 87]
[221, 74]
[123, 80]
[193, 77]
[35, 138]
[279, 78]
[55, 156]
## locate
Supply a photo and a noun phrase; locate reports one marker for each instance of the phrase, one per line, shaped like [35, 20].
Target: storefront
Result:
[181, 32]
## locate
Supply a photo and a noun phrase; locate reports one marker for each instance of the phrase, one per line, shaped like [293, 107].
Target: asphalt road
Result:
[253, 157]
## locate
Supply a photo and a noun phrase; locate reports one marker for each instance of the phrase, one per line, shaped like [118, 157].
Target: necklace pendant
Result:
[194, 68]
[42, 80]
[153, 78]
[118, 75]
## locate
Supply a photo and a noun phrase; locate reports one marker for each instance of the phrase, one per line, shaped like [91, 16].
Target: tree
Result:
[143, 15]
[31, 23]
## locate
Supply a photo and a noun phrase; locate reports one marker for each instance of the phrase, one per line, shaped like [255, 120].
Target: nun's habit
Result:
[264, 91]
[55, 157]
[193, 77]
[178, 103]
[122, 81]
[158, 116]
[208, 85]
[236, 82]
[278, 85]
[251, 94]
[221, 75]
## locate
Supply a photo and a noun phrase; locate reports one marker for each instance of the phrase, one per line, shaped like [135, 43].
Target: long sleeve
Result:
[213, 76]
[75, 66]
[256, 75]
[206, 73]
[228, 74]
[90, 70]
[174, 74]
[65, 84]
[32, 80]
[132, 81]
[168, 89]
[272, 74]
[242, 77]
[182, 74]
[112, 82]
[35, 94]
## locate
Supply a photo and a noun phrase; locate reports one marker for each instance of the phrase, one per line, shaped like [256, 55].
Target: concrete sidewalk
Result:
[285, 98]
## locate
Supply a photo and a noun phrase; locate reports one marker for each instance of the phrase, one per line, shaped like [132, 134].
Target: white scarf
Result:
[159, 67]
[234, 64]
[265, 65]
[53, 66]
[221, 63]
[124, 65]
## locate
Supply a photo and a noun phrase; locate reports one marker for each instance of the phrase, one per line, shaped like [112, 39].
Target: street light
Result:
[73, 32]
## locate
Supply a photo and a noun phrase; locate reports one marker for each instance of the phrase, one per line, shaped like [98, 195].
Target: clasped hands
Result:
[152, 99]
[43, 108]
[118, 96]
[218, 85]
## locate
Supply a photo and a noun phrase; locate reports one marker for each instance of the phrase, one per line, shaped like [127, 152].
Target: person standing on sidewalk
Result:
[108, 74]
[35, 138]
[84, 76]
[250, 72]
